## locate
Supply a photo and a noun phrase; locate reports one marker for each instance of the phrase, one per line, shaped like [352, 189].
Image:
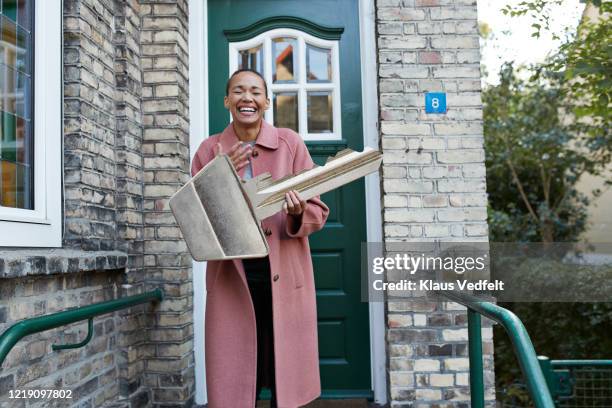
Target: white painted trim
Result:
[198, 131]
[302, 99]
[378, 357]
[42, 227]
[301, 85]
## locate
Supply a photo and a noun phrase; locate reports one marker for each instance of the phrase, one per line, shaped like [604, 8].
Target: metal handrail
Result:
[581, 363]
[569, 379]
[19, 330]
[523, 348]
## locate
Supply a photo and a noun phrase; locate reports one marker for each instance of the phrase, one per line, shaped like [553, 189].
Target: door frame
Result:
[198, 129]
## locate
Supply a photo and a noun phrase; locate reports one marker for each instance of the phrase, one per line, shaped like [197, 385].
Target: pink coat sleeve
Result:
[314, 216]
[203, 155]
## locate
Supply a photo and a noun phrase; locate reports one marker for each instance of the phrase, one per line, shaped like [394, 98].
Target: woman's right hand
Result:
[239, 154]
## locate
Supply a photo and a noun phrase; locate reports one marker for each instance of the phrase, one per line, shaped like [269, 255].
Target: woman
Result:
[261, 320]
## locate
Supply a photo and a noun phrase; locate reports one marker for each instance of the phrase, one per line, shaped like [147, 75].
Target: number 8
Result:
[435, 103]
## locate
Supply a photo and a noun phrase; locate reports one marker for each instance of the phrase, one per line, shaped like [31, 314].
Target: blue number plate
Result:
[435, 102]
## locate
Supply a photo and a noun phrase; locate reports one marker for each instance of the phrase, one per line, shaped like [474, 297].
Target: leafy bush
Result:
[544, 128]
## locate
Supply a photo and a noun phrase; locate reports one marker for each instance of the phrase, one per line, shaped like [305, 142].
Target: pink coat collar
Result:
[267, 137]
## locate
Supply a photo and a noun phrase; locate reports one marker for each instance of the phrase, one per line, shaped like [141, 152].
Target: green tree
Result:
[539, 11]
[533, 160]
[585, 62]
[543, 133]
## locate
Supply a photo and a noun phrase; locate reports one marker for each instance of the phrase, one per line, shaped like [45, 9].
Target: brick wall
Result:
[125, 153]
[90, 372]
[89, 126]
[433, 183]
[165, 97]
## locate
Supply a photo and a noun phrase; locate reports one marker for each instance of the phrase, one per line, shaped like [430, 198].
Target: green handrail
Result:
[523, 348]
[562, 377]
[477, 389]
[581, 363]
[19, 330]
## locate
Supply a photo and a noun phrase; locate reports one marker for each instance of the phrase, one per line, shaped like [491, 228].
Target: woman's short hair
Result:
[245, 70]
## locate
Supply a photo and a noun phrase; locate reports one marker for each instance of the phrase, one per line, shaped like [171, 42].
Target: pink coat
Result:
[231, 354]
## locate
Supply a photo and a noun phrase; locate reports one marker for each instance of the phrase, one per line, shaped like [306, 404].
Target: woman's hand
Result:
[294, 204]
[239, 154]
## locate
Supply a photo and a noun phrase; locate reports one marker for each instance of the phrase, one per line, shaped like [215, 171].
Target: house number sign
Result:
[435, 102]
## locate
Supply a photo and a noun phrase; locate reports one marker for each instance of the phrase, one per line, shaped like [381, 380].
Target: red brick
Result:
[427, 3]
[430, 57]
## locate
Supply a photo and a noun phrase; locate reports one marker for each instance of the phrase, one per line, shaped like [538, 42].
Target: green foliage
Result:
[539, 11]
[541, 135]
[544, 128]
[587, 66]
[585, 62]
[533, 161]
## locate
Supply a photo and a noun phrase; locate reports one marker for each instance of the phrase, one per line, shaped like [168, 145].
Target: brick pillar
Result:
[132, 341]
[89, 126]
[164, 59]
[433, 182]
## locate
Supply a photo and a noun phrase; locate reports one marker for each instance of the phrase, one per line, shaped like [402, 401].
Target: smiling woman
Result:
[259, 311]
[247, 100]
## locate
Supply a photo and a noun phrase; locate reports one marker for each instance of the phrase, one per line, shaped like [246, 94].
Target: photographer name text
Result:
[432, 285]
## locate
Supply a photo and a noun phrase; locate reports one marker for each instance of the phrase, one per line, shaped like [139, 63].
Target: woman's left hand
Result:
[294, 204]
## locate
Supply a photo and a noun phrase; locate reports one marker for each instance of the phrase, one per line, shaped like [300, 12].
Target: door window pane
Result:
[16, 127]
[303, 77]
[318, 64]
[251, 59]
[320, 116]
[283, 52]
[285, 107]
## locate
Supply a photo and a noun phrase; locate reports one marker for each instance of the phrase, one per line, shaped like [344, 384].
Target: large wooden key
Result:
[219, 214]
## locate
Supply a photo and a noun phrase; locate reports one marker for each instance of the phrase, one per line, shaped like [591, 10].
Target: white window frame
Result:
[301, 85]
[42, 226]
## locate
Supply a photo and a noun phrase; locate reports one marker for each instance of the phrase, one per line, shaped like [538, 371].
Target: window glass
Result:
[320, 112]
[283, 52]
[318, 64]
[285, 105]
[16, 127]
[251, 58]
[303, 79]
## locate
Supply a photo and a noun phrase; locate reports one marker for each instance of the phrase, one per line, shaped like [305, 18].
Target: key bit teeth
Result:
[338, 155]
[280, 180]
[264, 180]
[256, 184]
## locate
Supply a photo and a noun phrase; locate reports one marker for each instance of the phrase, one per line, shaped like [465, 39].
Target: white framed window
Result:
[31, 123]
[303, 77]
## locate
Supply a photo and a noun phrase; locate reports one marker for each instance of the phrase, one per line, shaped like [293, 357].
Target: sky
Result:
[512, 41]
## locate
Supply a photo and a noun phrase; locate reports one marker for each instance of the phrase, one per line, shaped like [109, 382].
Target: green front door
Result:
[312, 49]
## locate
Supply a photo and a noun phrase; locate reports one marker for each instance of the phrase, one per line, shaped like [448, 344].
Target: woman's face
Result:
[246, 99]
